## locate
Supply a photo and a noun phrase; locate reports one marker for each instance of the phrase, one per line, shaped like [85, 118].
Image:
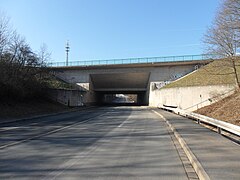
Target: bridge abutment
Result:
[139, 79]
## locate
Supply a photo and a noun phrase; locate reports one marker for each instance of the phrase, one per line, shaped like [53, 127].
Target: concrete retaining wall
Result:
[67, 97]
[189, 98]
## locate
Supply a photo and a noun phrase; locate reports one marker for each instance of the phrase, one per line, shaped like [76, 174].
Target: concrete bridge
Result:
[138, 76]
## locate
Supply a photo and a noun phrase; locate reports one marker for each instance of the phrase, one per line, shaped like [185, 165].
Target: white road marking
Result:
[47, 133]
[159, 114]
[71, 162]
[123, 123]
[202, 174]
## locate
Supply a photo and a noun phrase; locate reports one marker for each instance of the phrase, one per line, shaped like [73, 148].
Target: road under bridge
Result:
[115, 143]
[141, 79]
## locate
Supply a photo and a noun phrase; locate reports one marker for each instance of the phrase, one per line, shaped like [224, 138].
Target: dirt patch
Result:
[227, 109]
[12, 109]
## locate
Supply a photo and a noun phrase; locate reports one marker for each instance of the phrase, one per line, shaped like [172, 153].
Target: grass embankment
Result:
[218, 72]
[13, 108]
[27, 108]
[57, 84]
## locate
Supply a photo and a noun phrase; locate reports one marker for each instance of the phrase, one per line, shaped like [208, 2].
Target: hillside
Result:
[15, 109]
[216, 73]
[227, 109]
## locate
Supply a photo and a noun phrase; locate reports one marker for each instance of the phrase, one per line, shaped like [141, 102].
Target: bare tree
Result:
[223, 38]
[5, 33]
[22, 71]
[43, 54]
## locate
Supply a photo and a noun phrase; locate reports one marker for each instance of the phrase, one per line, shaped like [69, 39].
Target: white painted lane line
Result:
[159, 115]
[40, 135]
[70, 162]
[202, 174]
[47, 133]
[123, 123]
[81, 155]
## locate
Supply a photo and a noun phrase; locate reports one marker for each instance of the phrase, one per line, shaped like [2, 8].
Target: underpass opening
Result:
[120, 98]
[120, 88]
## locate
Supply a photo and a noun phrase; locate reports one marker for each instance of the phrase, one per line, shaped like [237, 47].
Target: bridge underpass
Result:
[116, 143]
[142, 76]
[112, 84]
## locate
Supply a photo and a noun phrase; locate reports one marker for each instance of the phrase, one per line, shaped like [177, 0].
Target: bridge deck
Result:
[156, 64]
[145, 61]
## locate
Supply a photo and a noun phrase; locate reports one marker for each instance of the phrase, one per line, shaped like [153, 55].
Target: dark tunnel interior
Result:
[121, 98]
[120, 88]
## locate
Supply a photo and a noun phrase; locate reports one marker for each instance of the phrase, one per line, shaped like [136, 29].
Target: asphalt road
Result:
[104, 143]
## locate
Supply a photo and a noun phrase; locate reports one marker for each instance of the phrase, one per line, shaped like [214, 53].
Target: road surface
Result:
[101, 143]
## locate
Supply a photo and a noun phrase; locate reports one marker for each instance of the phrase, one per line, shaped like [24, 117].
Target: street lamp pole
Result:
[67, 51]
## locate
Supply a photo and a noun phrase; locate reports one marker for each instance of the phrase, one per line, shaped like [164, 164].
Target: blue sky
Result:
[107, 29]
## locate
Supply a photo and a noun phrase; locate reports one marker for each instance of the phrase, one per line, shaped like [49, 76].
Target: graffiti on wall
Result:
[173, 77]
[159, 85]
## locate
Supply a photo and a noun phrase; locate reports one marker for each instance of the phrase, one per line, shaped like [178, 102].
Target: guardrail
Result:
[220, 125]
[135, 60]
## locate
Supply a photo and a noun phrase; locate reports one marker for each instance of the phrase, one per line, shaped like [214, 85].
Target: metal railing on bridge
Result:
[134, 60]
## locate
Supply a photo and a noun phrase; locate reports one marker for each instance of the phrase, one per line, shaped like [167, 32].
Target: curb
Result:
[192, 158]
[45, 115]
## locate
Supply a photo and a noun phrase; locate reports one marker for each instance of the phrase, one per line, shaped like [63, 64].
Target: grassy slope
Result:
[215, 73]
[57, 84]
[13, 109]
[218, 72]
[10, 109]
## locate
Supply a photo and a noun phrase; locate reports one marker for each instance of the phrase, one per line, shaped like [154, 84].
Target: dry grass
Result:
[227, 109]
[216, 73]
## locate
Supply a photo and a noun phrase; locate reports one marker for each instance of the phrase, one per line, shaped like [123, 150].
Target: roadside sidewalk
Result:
[218, 155]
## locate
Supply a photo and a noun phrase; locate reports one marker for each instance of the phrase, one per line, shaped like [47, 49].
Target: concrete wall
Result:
[67, 97]
[89, 97]
[82, 77]
[162, 73]
[188, 98]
